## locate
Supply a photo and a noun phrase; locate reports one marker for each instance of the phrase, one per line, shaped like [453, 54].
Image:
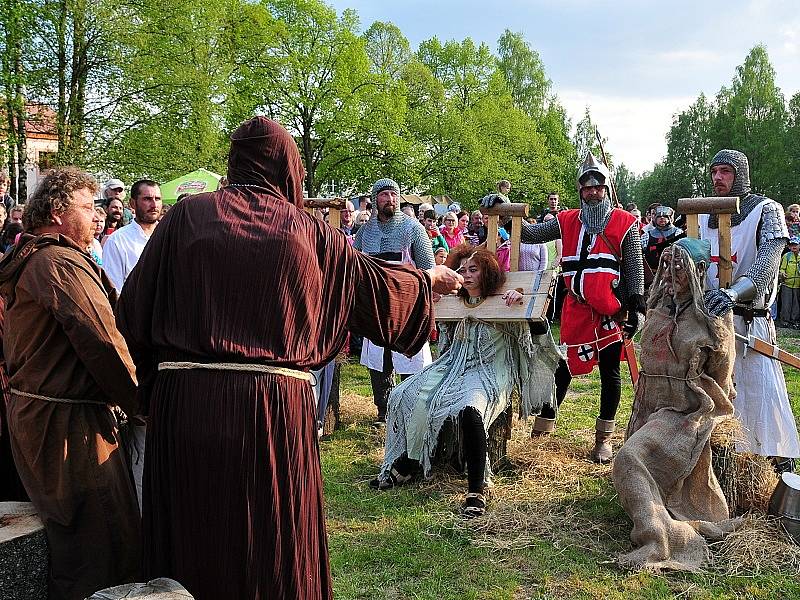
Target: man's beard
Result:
[387, 211]
[146, 217]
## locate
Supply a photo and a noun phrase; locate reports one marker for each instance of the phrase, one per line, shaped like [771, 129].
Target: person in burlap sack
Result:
[663, 473]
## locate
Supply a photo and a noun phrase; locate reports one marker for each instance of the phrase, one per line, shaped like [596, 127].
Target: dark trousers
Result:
[382, 383]
[610, 383]
[473, 439]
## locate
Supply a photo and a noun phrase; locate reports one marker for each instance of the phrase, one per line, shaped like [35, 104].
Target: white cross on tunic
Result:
[586, 352]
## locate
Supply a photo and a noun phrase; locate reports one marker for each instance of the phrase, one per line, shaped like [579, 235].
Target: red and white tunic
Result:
[591, 273]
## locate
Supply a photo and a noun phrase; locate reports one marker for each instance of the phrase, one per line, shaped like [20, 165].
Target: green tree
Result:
[178, 59]
[625, 184]
[792, 145]
[689, 148]
[15, 16]
[311, 73]
[464, 69]
[524, 73]
[658, 185]
[585, 139]
[388, 49]
[751, 117]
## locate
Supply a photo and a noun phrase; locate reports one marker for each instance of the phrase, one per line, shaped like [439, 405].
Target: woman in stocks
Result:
[481, 364]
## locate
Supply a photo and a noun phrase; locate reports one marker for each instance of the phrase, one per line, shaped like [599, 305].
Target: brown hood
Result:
[263, 154]
[14, 261]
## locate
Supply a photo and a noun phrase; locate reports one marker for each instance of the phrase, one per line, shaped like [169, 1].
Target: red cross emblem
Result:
[715, 259]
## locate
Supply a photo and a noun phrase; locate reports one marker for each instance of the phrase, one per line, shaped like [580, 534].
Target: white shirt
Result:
[532, 257]
[121, 252]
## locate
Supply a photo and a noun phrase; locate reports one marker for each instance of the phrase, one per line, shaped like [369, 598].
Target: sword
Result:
[769, 350]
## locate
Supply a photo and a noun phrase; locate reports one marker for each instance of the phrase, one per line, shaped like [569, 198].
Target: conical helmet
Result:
[592, 172]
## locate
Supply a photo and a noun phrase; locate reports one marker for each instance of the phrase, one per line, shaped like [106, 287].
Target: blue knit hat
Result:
[698, 250]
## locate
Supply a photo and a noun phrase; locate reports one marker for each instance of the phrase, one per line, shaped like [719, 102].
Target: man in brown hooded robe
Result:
[66, 364]
[238, 294]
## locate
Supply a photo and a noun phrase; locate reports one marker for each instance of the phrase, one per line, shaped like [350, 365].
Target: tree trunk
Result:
[61, 113]
[21, 117]
[450, 453]
[308, 160]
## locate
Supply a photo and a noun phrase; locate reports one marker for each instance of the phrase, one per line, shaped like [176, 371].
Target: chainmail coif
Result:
[741, 185]
[595, 216]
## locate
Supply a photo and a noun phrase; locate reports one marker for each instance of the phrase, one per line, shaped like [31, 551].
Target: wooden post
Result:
[725, 267]
[517, 212]
[334, 205]
[491, 233]
[334, 218]
[693, 226]
[723, 207]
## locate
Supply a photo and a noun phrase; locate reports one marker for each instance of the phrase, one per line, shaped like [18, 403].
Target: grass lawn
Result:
[552, 529]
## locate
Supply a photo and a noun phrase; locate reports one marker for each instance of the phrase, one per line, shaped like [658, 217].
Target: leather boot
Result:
[602, 452]
[543, 426]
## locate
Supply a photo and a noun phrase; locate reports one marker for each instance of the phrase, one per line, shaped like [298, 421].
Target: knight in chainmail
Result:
[396, 237]
[660, 236]
[603, 272]
[758, 237]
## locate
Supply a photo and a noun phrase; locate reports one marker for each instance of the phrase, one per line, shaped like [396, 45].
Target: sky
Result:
[634, 63]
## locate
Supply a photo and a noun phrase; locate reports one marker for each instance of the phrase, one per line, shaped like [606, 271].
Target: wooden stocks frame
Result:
[333, 204]
[723, 207]
[536, 286]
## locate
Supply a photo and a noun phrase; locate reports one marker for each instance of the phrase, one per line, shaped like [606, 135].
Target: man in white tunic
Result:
[123, 248]
[120, 254]
[758, 236]
[396, 237]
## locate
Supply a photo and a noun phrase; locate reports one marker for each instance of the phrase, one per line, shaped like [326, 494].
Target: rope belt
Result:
[252, 368]
[692, 378]
[59, 400]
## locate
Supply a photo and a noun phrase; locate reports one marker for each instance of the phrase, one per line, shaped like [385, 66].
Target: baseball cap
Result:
[113, 184]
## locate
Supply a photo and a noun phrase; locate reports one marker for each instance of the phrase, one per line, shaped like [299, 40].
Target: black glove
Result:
[636, 307]
[490, 200]
[718, 302]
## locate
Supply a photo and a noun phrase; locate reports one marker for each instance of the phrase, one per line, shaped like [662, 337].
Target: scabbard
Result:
[630, 356]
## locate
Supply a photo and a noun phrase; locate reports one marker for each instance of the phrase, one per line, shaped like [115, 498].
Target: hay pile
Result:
[759, 545]
[552, 492]
[747, 480]
[546, 497]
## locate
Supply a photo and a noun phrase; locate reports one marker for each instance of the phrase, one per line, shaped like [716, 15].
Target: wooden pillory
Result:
[537, 290]
[723, 207]
[536, 286]
[334, 205]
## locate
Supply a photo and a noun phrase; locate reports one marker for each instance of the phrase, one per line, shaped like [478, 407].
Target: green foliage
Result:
[752, 116]
[625, 185]
[159, 93]
[388, 49]
[524, 73]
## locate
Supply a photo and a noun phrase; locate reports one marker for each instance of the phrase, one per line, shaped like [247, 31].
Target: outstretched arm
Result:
[541, 232]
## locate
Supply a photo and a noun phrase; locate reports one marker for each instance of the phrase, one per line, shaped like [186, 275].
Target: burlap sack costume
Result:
[663, 472]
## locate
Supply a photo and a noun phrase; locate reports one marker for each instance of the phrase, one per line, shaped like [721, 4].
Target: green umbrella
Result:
[195, 182]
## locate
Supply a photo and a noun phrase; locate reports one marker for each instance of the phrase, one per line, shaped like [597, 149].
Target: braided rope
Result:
[58, 400]
[252, 368]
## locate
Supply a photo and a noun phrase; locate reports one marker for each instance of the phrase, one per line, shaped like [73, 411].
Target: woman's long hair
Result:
[492, 276]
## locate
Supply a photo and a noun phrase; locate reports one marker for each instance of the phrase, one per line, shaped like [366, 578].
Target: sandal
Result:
[395, 479]
[474, 505]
